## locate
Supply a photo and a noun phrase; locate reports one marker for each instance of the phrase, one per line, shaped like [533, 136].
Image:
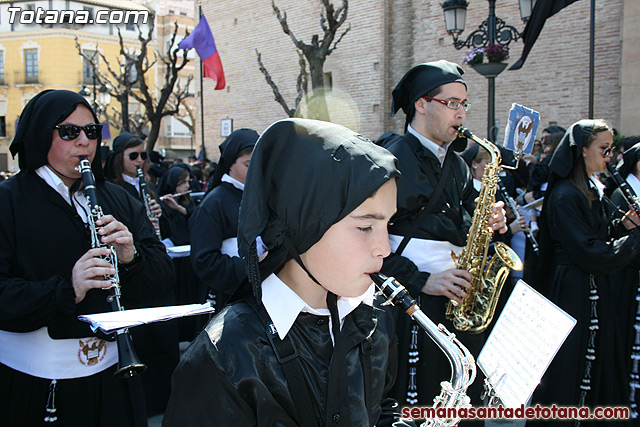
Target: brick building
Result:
[388, 37]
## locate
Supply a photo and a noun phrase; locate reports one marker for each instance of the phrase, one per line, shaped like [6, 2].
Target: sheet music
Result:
[522, 344]
[114, 320]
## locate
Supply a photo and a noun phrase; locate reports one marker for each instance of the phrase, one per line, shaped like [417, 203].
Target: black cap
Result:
[421, 79]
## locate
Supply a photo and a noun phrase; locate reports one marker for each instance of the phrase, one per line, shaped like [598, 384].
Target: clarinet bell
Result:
[128, 362]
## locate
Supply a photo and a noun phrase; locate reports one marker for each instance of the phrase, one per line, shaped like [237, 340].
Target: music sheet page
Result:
[522, 344]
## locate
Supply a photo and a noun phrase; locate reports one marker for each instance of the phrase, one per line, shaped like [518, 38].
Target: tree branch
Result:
[276, 92]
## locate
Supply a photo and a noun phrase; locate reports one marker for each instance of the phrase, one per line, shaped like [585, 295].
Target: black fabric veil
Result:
[36, 125]
[305, 175]
[238, 141]
[421, 79]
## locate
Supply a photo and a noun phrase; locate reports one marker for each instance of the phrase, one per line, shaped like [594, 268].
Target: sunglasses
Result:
[134, 155]
[70, 132]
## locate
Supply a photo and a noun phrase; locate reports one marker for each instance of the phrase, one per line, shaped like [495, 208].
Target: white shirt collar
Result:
[55, 182]
[284, 305]
[599, 186]
[135, 181]
[438, 151]
[232, 181]
[634, 183]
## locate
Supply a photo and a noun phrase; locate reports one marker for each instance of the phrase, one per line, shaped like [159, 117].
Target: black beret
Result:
[421, 79]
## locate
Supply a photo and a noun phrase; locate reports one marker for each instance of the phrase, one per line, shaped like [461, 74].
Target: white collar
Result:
[227, 178]
[438, 151]
[284, 305]
[599, 186]
[634, 183]
[135, 181]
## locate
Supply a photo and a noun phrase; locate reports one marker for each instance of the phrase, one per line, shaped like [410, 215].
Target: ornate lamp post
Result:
[492, 31]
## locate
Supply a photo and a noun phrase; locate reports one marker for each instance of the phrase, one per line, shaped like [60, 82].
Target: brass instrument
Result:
[475, 313]
[146, 200]
[463, 365]
[128, 362]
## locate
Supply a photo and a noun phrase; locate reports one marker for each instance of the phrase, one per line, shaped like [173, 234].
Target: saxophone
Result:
[463, 365]
[475, 313]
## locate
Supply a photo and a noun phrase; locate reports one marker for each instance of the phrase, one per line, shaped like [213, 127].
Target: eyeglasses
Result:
[454, 105]
[134, 155]
[605, 152]
[70, 132]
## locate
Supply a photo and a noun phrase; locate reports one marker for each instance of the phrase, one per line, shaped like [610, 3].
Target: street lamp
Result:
[493, 30]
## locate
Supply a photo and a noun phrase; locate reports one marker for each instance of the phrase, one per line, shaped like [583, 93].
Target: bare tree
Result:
[314, 53]
[128, 81]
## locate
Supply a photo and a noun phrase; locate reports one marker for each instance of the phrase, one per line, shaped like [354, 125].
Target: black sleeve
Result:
[207, 230]
[405, 272]
[201, 392]
[570, 227]
[152, 276]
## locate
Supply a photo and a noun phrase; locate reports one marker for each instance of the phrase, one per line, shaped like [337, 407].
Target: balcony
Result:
[21, 78]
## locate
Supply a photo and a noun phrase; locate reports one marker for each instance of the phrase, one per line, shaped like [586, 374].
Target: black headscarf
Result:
[555, 129]
[629, 161]
[36, 125]
[305, 175]
[118, 145]
[169, 180]
[421, 79]
[238, 141]
[570, 148]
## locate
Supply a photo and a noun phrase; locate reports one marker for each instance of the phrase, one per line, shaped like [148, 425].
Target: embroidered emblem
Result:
[92, 351]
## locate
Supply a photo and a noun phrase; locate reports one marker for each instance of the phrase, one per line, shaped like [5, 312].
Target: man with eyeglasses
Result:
[435, 204]
[54, 367]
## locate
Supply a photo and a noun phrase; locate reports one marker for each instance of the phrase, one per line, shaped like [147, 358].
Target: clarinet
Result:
[128, 362]
[627, 192]
[514, 208]
[463, 365]
[146, 199]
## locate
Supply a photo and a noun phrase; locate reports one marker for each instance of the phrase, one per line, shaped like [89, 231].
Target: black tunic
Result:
[585, 259]
[230, 375]
[450, 222]
[215, 220]
[41, 238]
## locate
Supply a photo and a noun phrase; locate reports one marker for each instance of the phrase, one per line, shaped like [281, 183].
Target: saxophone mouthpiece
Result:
[462, 131]
[378, 278]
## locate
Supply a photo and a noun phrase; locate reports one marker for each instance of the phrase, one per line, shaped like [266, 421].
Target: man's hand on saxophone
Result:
[116, 234]
[89, 272]
[450, 283]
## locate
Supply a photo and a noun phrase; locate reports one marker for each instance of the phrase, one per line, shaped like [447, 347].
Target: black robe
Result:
[230, 376]
[215, 220]
[41, 238]
[421, 172]
[584, 261]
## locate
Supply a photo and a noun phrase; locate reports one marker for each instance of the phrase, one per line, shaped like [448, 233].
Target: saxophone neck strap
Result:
[428, 208]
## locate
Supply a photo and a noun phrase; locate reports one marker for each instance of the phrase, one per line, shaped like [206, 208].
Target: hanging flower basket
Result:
[488, 60]
[491, 69]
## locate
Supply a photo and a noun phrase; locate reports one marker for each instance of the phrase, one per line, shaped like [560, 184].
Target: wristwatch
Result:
[133, 263]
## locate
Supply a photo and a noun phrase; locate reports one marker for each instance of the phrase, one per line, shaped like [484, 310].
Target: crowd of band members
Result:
[587, 265]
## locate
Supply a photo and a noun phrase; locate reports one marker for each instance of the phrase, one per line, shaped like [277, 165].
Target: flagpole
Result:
[592, 36]
[202, 150]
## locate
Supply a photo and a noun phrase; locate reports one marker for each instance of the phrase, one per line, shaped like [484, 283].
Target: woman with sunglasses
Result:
[121, 168]
[53, 366]
[582, 251]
